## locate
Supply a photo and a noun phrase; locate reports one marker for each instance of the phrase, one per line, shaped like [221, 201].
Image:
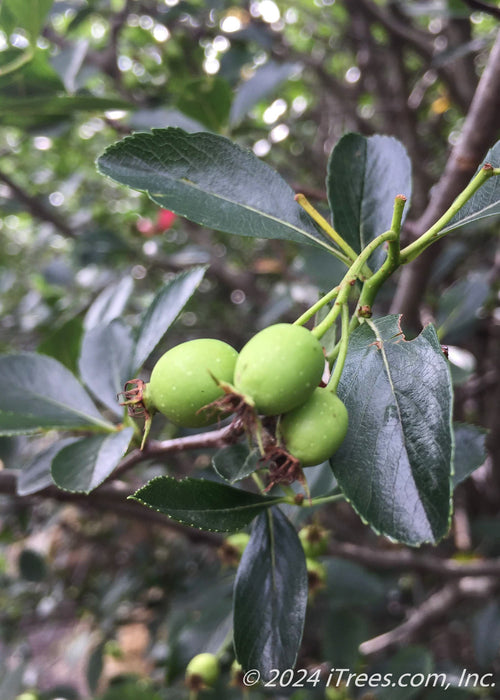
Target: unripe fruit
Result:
[279, 368]
[316, 576]
[202, 671]
[183, 380]
[315, 430]
[314, 540]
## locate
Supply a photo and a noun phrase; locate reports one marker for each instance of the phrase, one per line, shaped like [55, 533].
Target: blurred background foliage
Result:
[93, 605]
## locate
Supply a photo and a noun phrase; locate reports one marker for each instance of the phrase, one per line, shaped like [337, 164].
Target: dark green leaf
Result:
[235, 462]
[105, 362]
[486, 634]
[395, 463]
[350, 585]
[109, 304]
[32, 565]
[37, 475]
[270, 596]
[470, 450]
[485, 202]
[346, 631]
[458, 307]
[364, 176]
[207, 505]
[410, 661]
[95, 667]
[63, 344]
[38, 393]
[163, 311]
[86, 463]
[211, 181]
[262, 84]
[208, 100]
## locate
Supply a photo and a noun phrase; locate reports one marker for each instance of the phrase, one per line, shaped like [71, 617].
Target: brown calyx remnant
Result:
[284, 468]
[134, 398]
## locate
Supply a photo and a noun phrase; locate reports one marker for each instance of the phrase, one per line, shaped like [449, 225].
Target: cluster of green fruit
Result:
[277, 373]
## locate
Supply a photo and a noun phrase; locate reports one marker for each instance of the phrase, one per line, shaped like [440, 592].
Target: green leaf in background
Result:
[109, 304]
[105, 362]
[37, 475]
[486, 634]
[41, 110]
[364, 176]
[235, 462]
[470, 450]
[24, 14]
[212, 181]
[38, 393]
[346, 630]
[412, 661]
[208, 100]
[262, 84]
[351, 585]
[270, 596]
[163, 311]
[396, 461]
[207, 505]
[37, 77]
[86, 463]
[63, 343]
[32, 565]
[485, 202]
[458, 306]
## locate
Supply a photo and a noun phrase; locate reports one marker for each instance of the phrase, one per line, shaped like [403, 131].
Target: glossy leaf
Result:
[38, 393]
[235, 462]
[470, 450]
[207, 505]
[163, 311]
[37, 474]
[105, 362]
[485, 202]
[262, 84]
[396, 461]
[86, 463]
[364, 176]
[270, 596]
[212, 181]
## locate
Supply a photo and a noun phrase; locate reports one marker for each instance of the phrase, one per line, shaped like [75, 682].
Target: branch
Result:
[405, 559]
[110, 497]
[431, 610]
[479, 130]
[36, 207]
[157, 448]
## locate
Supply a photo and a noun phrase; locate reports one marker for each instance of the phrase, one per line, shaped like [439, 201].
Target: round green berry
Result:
[279, 368]
[314, 431]
[184, 380]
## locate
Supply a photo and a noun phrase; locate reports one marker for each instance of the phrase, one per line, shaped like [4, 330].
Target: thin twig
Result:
[432, 609]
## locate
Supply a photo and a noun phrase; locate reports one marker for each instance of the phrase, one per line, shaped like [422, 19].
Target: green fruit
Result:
[238, 541]
[314, 431]
[279, 368]
[314, 540]
[183, 380]
[202, 671]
